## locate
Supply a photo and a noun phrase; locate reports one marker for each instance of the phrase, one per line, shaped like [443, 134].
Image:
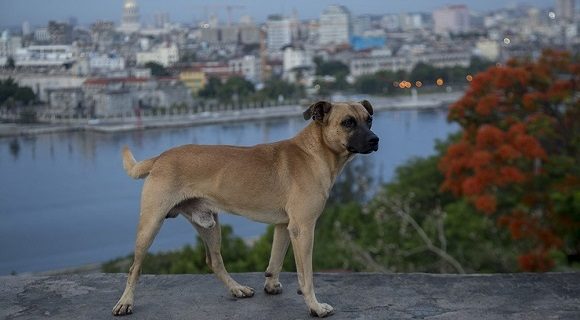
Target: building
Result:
[102, 34]
[59, 32]
[41, 35]
[193, 78]
[248, 66]
[114, 96]
[26, 28]
[165, 54]
[279, 33]
[371, 64]
[229, 34]
[111, 102]
[210, 34]
[8, 47]
[565, 10]
[130, 22]
[249, 34]
[361, 24]
[105, 63]
[50, 56]
[451, 19]
[66, 100]
[335, 26]
[487, 49]
[298, 63]
[42, 83]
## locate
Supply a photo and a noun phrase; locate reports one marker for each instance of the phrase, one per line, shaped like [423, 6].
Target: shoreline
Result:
[7, 130]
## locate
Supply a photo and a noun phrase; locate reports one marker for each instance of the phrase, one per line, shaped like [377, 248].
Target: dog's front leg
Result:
[302, 237]
[279, 248]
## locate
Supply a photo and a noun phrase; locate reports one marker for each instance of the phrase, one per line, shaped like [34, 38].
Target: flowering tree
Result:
[518, 159]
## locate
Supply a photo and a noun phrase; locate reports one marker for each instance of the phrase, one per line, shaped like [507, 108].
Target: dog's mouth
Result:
[368, 149]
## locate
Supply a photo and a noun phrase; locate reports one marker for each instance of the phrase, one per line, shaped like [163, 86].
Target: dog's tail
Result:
[136, 170]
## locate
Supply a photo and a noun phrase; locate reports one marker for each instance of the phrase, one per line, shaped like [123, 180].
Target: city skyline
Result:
[13, 13]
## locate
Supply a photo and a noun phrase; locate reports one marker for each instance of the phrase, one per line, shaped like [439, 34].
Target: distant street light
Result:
[440, 82]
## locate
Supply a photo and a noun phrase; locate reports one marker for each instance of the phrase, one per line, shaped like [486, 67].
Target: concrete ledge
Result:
[353, 295]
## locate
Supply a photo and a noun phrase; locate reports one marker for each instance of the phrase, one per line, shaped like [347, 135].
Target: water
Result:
[65, 200]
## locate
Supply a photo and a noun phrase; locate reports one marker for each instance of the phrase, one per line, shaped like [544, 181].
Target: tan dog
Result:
[285, 183]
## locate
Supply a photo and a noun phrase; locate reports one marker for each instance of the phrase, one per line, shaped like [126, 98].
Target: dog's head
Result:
[346, 126]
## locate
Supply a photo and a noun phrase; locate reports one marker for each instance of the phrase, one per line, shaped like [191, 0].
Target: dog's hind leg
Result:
[279, 248]
[212, 240]
[150, 221]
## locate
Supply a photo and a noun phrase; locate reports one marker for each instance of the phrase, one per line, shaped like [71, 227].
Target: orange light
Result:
[418, 84]
[469, 78]
[439, 82]
[407, 84]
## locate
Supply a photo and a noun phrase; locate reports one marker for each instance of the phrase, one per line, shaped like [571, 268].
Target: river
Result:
[65, 200]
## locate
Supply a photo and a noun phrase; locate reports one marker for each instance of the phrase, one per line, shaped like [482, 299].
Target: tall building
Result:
[361, 24]
[565, 10]
[130, 21]
[451, 19]
[60, 32]
[26, 28]
[335, 25]
[279, 33]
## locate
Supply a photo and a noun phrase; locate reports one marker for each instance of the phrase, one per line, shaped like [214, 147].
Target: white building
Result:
[370, 65]
[451, 19]
[335, 26]
[298, 63]
[8, 47]
[130, 21]
[51, 56]
[165, 54]
[487, 49]
[279, 33]
[248, 66]
[103, 63]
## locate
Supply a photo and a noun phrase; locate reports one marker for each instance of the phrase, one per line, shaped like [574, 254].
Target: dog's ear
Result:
[367, 106]
[317, 111]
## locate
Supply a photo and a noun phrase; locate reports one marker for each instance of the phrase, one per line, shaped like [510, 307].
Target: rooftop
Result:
[353, 295]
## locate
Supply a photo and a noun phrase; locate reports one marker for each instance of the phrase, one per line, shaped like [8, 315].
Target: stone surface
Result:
[353, 295]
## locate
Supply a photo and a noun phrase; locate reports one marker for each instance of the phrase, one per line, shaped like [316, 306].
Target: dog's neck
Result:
[311, 140]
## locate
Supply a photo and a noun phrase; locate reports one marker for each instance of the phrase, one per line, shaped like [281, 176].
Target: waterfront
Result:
[66, 201]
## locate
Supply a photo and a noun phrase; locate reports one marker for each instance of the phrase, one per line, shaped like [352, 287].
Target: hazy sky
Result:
[38, 12]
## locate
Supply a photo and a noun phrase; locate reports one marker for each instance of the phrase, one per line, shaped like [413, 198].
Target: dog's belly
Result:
[270, 216]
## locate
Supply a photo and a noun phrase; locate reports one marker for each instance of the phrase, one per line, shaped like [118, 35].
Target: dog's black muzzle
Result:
[363, 141]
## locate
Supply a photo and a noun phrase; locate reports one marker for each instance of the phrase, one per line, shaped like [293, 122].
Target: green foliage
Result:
[274, 88]
[11, 91]
[10, 63]
[157, 69]
[234, 89]
[382, 81]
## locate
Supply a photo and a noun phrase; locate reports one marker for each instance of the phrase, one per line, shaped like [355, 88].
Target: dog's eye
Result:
[348, 123]
[370, 121]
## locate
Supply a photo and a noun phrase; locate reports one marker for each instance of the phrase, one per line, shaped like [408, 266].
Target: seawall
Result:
[353, 295]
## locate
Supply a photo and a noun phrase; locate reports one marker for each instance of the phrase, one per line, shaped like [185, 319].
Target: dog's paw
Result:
[275, 288]
[322, 310]
[242, 291]
[122, 309]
